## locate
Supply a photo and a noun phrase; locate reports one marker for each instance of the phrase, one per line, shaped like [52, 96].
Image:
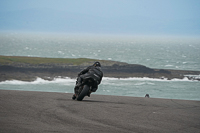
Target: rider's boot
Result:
[89, 93]
[74, 97]
[79, 80]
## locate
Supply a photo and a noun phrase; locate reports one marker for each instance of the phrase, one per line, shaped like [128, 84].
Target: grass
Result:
[39, 60]
[6, 60]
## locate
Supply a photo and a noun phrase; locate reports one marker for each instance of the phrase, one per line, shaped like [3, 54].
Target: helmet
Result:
[97, 64]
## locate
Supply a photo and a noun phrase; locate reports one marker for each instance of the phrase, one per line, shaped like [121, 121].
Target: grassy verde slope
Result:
[29, 68]
[39, 60]
[7, 60]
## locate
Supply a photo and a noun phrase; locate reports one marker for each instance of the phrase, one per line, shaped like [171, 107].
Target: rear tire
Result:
[83, 93]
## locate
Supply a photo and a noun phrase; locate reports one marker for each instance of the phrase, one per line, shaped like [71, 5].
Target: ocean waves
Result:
[148, 79]
[65, 81]
[106, 80]
[164, 53]
[136, 87]
[169, 53]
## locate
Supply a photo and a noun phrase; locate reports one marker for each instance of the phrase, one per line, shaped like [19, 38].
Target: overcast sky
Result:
[131, 16]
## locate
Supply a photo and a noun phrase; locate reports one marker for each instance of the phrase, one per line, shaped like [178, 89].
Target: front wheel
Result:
[83, 93]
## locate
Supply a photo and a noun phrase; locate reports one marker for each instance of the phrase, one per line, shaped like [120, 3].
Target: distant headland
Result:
[29, 68]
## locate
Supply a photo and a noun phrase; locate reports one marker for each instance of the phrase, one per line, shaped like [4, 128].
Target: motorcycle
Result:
[85, 89]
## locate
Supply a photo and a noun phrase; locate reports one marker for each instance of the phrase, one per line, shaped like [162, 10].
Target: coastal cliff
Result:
[29, 68]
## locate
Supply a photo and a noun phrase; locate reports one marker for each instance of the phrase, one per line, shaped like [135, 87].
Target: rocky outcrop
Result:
[29, 72]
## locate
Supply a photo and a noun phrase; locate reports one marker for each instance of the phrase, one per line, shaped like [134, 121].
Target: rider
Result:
[93, 72]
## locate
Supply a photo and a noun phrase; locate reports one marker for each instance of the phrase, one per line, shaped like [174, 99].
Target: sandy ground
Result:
[26, 112]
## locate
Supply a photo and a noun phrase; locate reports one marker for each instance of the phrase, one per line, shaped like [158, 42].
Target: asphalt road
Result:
[47, 112]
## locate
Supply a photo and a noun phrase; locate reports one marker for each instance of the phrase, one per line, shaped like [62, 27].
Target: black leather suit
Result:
[91, 72]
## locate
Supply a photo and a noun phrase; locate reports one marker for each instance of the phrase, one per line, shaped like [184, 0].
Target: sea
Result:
[162, 52]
